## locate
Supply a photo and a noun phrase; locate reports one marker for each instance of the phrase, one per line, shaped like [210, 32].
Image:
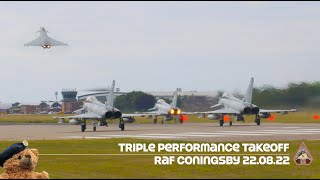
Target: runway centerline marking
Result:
[183, 135]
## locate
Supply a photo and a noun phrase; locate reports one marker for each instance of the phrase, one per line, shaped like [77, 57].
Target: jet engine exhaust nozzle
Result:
[113, 114]
[249, 110]
[255, 110]
[175, 111]
[117, 114]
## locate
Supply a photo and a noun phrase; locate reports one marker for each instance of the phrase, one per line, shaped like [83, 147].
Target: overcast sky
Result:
[153, 46]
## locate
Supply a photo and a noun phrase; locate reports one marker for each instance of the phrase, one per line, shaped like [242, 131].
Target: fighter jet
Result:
[237, 107]
[96, 110]
[44, 40]
[167, 111]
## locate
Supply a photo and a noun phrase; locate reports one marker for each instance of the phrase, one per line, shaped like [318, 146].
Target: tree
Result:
[135, 101]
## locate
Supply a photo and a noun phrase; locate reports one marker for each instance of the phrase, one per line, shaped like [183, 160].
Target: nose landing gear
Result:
[83, 126]
[121, 124]
[221, 121]
[94, 126]
[257, 120]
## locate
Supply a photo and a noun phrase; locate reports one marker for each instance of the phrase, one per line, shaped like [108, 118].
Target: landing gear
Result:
[121, 124]
[221, 121]
[180, 120]
[155, 119]
[257, 120]
[83, 126]
[94, 126]
[103, 123]
[163, 119]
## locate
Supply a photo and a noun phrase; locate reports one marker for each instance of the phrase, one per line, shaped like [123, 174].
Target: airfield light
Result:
[184, 118]
[272, 117]
[226, 118]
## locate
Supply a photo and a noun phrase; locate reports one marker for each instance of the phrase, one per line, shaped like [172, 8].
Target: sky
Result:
[156, 46]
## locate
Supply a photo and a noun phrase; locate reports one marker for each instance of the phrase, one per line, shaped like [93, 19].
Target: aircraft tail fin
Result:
[42, 29]
[111, 95]
[248, 96]
[175, 99]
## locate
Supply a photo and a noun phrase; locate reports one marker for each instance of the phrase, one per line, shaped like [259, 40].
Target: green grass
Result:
[143, 167]
[29, 118]
[295, 117]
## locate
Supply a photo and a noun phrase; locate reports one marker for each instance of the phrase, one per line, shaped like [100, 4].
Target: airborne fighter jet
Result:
[237, 107]
[44, 40]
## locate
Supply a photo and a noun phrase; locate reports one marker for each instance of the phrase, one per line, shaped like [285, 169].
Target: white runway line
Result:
[118, 136]
[255, 131]
[207, 134]
[84, 137]
[290, 127]
[310, 129]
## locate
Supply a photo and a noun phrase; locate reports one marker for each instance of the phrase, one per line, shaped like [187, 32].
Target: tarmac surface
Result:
[209, 132]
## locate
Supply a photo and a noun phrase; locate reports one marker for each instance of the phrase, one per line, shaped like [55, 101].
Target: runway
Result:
[209, 132]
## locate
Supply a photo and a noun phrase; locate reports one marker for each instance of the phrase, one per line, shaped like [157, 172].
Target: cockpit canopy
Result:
[91, 99]
[227, 95]
[160, 101]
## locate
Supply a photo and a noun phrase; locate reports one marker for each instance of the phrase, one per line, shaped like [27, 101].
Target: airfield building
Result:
[28, 108]
[69, 101]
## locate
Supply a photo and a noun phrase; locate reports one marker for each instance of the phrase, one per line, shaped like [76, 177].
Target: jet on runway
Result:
[44, 40]
[167, 111]
[237, 107]
[96, 110]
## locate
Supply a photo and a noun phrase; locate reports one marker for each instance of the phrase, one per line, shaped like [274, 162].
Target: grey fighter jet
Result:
[96, 110]
[233, 106]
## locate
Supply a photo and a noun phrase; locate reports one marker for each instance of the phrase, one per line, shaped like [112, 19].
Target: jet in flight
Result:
[44, 40]
[237, 107]
[96, 110]
[167, 111]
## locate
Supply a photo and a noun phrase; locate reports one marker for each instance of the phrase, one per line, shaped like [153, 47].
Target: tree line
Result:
[295, 95]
